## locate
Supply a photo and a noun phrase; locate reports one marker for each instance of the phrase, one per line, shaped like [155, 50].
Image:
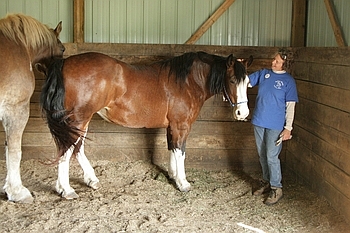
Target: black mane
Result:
[181, 66]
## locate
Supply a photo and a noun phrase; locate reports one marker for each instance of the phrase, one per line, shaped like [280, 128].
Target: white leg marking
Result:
[180, 176]
[13, 185]
[89, 174]
[172, 165]
[62, 184]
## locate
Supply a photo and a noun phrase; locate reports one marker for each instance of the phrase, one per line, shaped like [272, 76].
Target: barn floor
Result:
[137, 197]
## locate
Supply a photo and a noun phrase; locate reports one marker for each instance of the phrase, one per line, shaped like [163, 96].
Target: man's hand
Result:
[286, 135]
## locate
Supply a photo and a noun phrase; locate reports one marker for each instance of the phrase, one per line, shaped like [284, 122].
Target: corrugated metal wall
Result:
[319, 28]
[49, 12]
[245, 23]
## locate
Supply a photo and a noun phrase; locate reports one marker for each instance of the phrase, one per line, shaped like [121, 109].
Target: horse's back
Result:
[89, 58]
[83, 66]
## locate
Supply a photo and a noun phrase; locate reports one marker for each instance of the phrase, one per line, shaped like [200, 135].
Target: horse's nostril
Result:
[238, 113]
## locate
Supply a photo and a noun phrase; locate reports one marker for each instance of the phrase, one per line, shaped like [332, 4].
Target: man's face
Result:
[277, 63]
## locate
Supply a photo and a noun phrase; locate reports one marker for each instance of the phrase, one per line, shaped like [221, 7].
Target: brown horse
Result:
[167, 94]
[24, 41]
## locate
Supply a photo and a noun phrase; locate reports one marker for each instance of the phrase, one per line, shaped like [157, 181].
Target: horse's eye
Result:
[233, 80]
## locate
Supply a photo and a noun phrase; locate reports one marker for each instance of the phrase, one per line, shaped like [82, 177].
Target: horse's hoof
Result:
[26, 200]
[70, 196]
[185, 187]
[94, 184]
[23, 196]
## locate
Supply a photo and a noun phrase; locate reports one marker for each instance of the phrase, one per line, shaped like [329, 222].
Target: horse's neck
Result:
[40, 56]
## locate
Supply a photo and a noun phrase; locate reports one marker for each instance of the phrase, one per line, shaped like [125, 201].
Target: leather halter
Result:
[229, 99]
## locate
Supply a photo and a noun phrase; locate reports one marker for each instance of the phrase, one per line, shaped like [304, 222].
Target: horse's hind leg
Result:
[14, 123]
[89, 174]
[62, 184]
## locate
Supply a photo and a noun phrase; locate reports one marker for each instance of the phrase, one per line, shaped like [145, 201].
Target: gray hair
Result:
[287, 57]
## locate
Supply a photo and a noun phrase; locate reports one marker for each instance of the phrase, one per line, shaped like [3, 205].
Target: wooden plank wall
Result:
[215, 141]
[320, 151]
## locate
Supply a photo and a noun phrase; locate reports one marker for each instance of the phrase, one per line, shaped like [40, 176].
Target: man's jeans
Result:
[268, 154]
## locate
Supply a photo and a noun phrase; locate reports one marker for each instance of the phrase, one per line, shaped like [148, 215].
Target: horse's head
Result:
[235, 89]
[58, 49]
[39, 40]
[53, 48]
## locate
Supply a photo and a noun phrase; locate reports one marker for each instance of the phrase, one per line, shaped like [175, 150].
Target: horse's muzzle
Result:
[241, 112]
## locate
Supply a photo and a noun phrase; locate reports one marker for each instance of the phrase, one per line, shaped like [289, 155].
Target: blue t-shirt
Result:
[274, 90]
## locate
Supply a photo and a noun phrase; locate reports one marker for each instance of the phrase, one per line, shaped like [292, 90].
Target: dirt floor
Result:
[137, 197]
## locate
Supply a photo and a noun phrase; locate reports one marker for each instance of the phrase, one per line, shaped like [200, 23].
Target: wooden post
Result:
[207, 24]
[335, 23]
[298, 23]
[78, 19]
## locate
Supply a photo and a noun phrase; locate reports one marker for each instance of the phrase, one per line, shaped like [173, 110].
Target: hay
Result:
[138, 197]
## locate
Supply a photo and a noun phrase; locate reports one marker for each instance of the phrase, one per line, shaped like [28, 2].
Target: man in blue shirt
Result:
[272, 119]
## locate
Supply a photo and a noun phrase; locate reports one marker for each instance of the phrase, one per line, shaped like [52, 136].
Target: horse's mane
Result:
[27, 30]
[181, 66]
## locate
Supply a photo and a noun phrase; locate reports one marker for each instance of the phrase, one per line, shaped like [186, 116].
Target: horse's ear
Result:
[230, 61]
[58, 28]
[249, 61]
[41, 68]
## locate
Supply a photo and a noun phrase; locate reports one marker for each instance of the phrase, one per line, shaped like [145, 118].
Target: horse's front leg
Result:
[62, 184]
[89, 174]
[177, 170]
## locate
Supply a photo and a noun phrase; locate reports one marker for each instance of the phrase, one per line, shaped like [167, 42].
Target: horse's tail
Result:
[57, 117]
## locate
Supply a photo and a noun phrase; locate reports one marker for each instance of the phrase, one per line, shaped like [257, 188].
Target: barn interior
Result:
[317, 32]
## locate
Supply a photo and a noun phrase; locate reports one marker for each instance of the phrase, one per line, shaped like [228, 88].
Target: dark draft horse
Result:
[167, 94]
[24, 42]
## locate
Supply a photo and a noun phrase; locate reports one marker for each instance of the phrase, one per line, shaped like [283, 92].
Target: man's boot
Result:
[274, 196]
[263, 188]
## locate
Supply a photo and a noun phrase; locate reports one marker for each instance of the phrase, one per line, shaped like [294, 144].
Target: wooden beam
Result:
[212, 19]
[78, 19]
[335, 23]
[298, 23]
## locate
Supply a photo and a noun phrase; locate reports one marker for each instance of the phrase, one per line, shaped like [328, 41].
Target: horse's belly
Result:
[150, 118]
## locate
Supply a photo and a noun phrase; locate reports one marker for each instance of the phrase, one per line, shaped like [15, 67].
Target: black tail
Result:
[57, 117]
